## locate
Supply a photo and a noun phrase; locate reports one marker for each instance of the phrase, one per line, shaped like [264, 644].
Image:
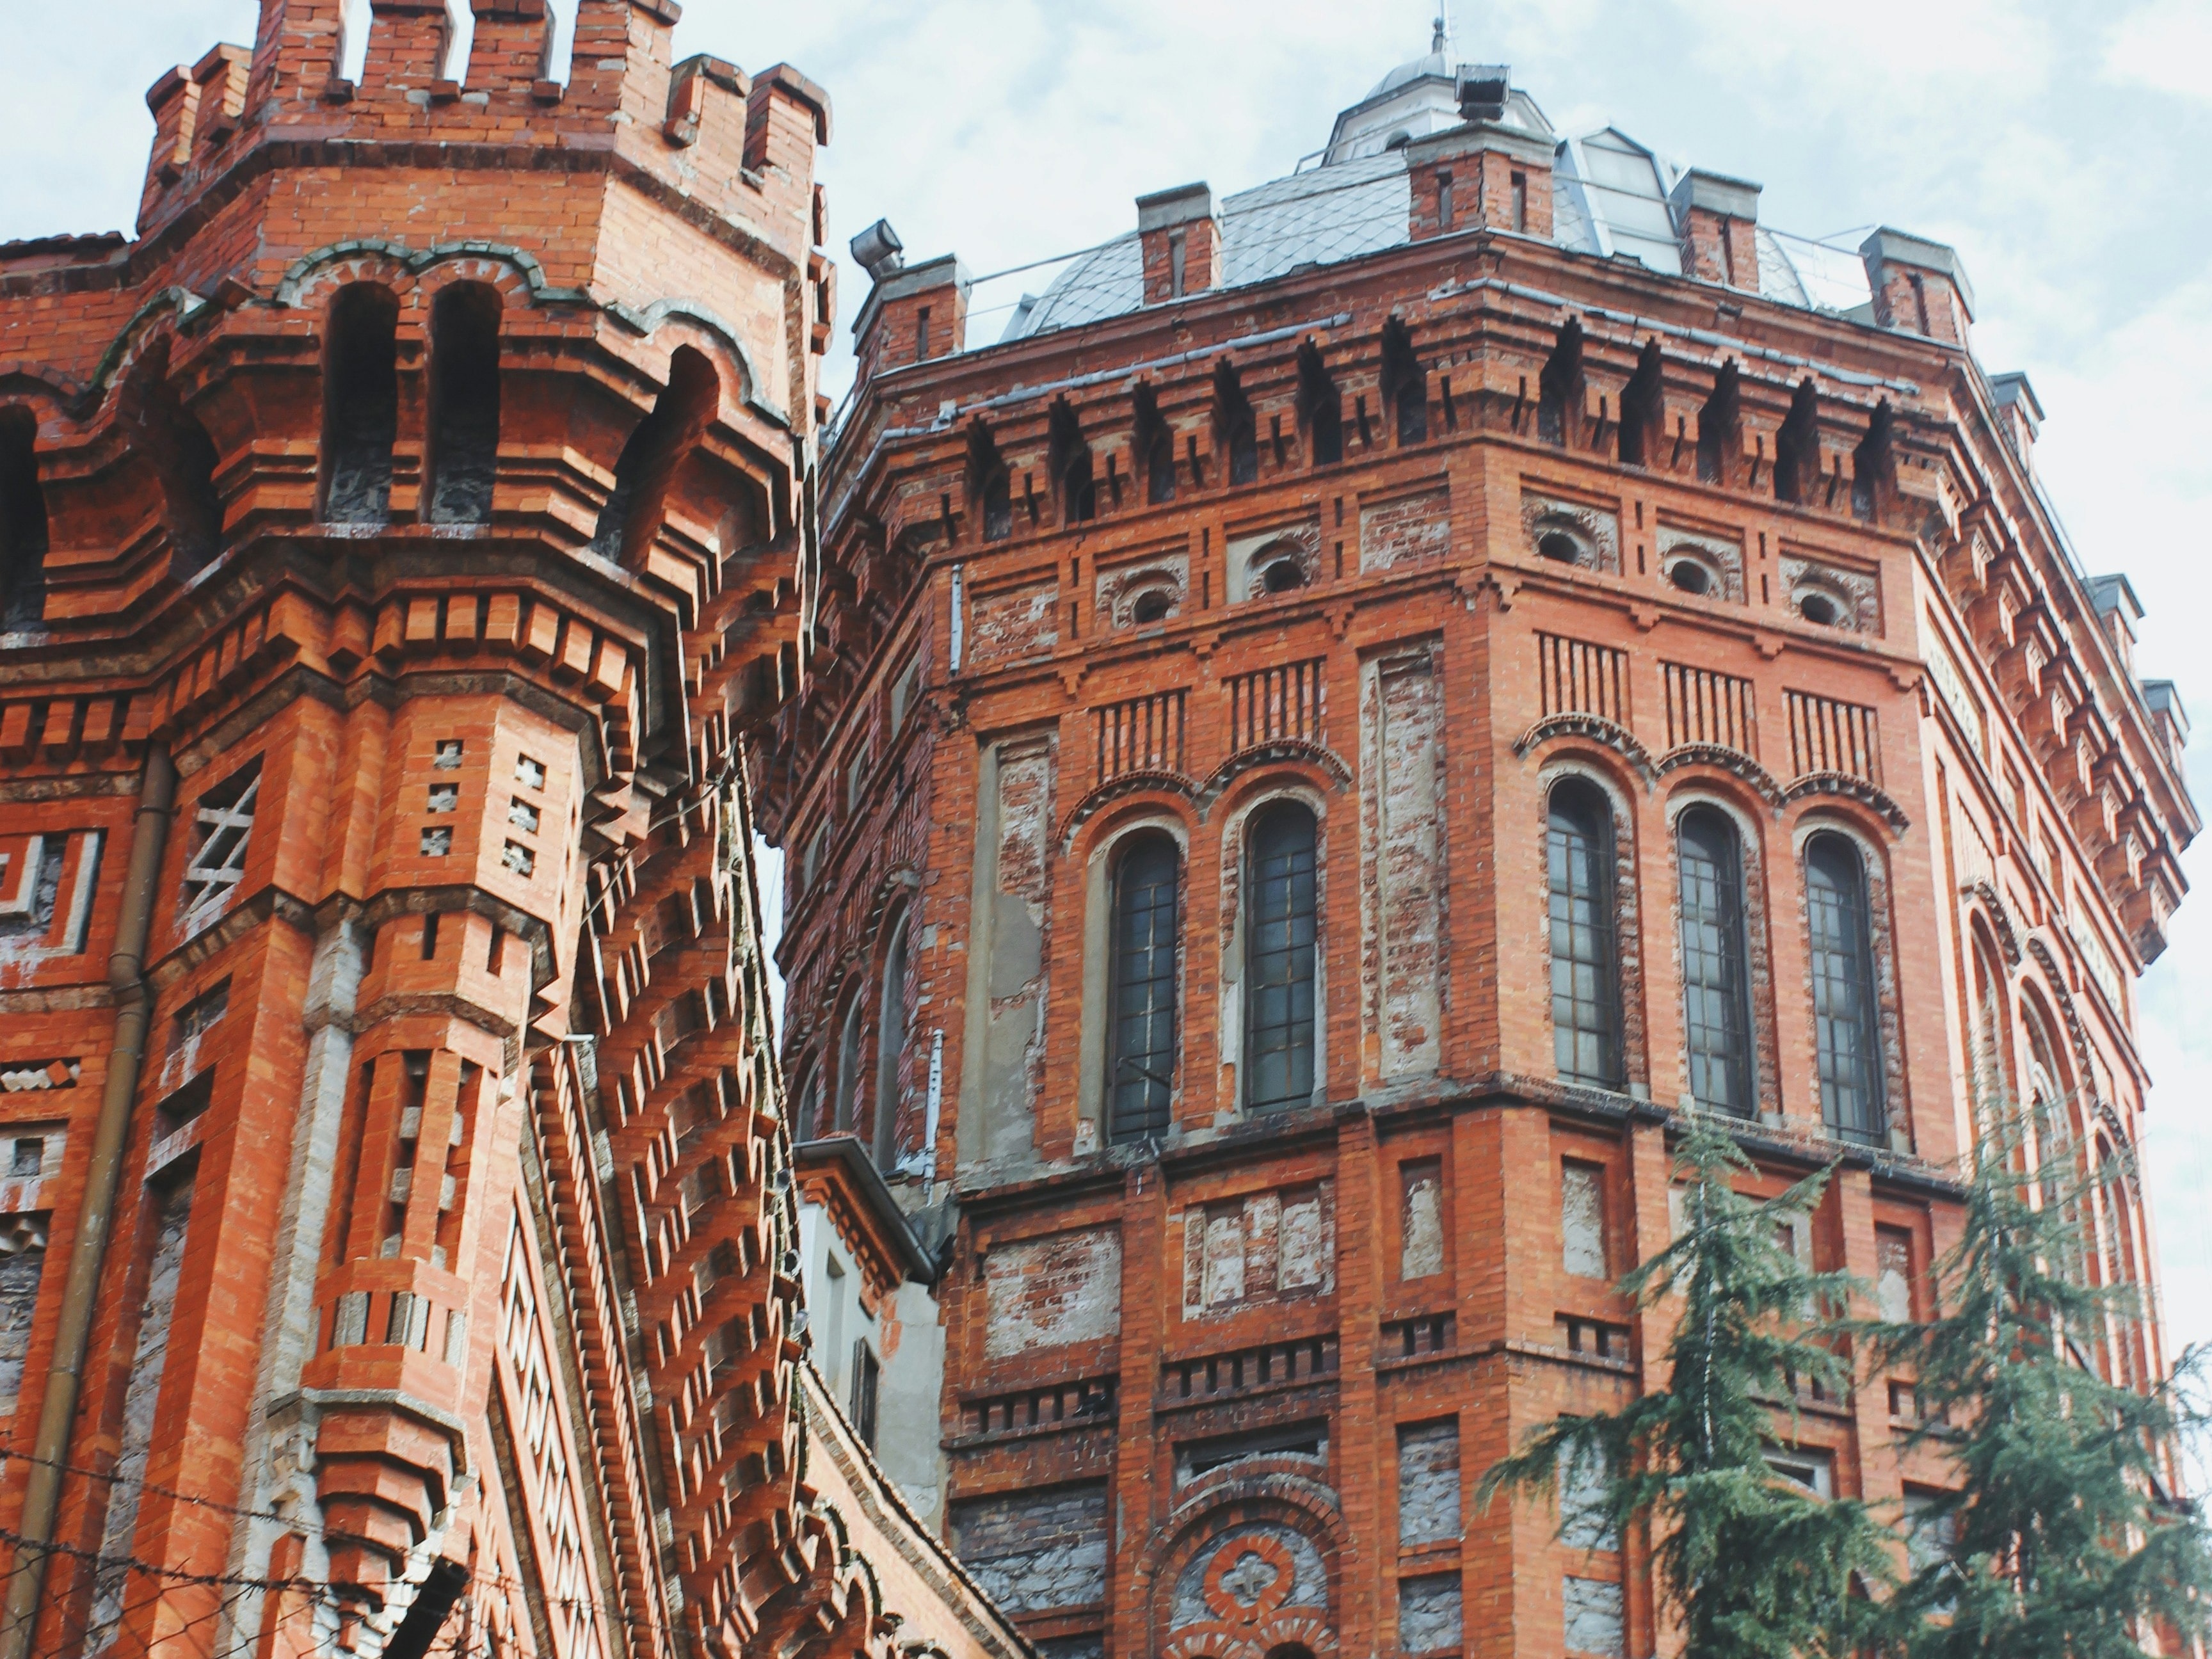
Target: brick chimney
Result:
[1919, 287]
[1483, 175]
[2019, 412]
[1716, 221]
[1181, 239]
[913, 313]
[2119, 610]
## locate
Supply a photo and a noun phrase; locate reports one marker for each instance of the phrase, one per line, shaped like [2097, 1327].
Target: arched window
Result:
[360, 404]
[631, 515]
[1141, 1029]
[1236, 428]
[807, 1122]
[463, 457]
[1846, 1030]
[849, 1078]
[1585, 961]
[1321, 406]
[23, 522]
[892, 1023]
[1715, 968]
[1281, 927]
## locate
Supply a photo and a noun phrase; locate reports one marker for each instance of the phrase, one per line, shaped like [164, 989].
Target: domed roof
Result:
[1435, 62]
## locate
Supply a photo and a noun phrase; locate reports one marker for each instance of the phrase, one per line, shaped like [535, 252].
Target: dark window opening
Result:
[1847, 1043]
[1283, 576]
[184, 460]
[1236, 428]
[867, 1378]
[845, 1114]
[1719, 428]
[658, 443]
[892, 1027]
[1715, 970]
[1141, 1016]
[1404, 383]
[1691, 577]
[1443, 202]
[360, 404]
[1321, 406]
[1585, 972]
[1873, 469]
[1643, 409]
[989, 490]
[1819, 608]
[23, 522]
[1071, 462]
[1521, 203]
[1559, 390]
[1151, 607]
[1798, 447]
[464, 456]
[1153, 445]
[1281, 929]
[1558, 545]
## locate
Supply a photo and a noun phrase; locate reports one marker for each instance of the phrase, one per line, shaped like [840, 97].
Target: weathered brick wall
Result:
[1462, 617]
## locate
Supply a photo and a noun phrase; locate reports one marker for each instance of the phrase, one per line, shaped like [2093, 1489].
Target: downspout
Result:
[126, 978]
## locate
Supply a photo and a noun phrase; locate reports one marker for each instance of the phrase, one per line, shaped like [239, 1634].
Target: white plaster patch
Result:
[1047, 1293]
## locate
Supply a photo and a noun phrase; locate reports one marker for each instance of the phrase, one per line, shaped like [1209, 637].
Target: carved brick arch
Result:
[2053, 986]
[1830, 788]
[1597, 742]
[1248, 1564]
[172, 310]
[1285, 759]
[1992, 909]
[693, 322]
[1168, 791]
[1710, 758]
[371, 258]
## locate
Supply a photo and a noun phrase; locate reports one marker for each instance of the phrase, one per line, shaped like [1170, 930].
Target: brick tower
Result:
[395, 536]
[1373, 693]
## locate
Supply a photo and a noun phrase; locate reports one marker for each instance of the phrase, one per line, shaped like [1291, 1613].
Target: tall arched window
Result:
[808, 1124]
[463, 457]
[22, 521]
[849, 1078]
[1846, 1030]
[361, 404]
[1585, 963]
[1140, 1030]
[890, 1044]
[1281, 925]
[1716, 967]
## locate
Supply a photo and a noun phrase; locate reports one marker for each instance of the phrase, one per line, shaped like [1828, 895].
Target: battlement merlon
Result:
[700, 137]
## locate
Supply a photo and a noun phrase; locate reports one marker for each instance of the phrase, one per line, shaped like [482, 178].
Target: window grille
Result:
[1141, 1024]
[224, 820]
[1585, 974]
[1281, 928]
[1847, 1043]
[1716, 979]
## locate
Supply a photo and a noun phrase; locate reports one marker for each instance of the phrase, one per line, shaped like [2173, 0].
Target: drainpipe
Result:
[95, 1216]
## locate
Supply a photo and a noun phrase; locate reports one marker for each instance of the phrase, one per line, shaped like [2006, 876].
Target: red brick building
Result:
[1371, 695]
[400, 1238]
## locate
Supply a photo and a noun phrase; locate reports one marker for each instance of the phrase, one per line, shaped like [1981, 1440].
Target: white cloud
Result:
[2166, 45]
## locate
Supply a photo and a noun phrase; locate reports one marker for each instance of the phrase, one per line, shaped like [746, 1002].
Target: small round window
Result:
[1815, 606]
[1690, 576]
[1559, 546]
[1151, 607]
[1282, 576]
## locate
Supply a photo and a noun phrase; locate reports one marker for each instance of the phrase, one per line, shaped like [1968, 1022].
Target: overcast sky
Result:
[2059, 146]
